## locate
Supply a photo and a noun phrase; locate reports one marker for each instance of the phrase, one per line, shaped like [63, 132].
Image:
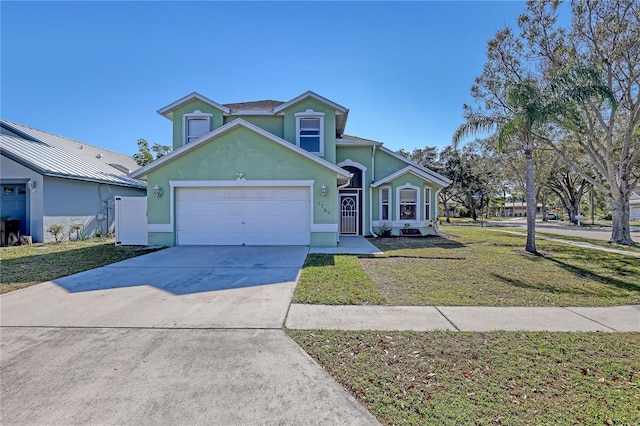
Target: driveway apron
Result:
[183, 287]
[183, 336]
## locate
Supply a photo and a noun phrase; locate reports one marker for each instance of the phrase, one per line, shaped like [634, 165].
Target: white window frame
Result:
[311, 114]
[427, 203]
[418, 203]
[389, 203]
[197, 115]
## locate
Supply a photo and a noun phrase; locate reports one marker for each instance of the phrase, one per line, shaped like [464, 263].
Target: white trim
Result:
[230, 184]
[424, 203]
[409, 169]
[324, 227]
[354, 193]
[160, 227]
[418, 209]
[433, 176]
[389, 203]
[350, 162]
[143, 171]
[195, 115]
[309, 94]
[167, 111]
[365, 183]
[316, 115]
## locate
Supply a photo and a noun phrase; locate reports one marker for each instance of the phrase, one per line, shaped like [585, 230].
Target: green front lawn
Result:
[473, 266]
[23, 266]
[504, 378]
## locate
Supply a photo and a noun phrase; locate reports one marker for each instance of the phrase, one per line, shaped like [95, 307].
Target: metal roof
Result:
[58, 156]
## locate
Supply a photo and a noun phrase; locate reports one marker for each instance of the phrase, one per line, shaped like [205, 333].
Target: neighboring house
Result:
[634, 205]
[519, 209]
[271, 172]
[48, 179]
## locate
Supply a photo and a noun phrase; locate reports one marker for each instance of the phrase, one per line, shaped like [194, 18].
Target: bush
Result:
[57, 231]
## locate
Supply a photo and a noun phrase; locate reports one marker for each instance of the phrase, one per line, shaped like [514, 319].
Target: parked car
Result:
[552, 216]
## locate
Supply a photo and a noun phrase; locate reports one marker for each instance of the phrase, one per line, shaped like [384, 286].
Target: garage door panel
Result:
[249, 215]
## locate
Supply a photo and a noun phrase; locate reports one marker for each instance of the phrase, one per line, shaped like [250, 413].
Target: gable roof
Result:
[264, 107]
[58, 156]
[143, 171]
[341, 112]
[415, 171]
[167, 111]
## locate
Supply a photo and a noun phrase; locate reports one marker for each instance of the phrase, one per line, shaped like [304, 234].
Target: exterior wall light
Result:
[157, 191]
[323, 190]
[32, 185]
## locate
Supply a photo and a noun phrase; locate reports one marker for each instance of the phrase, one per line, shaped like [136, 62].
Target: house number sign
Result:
[324, 209]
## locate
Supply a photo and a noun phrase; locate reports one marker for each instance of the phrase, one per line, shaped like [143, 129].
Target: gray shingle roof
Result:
[58, 156]
[267, 105]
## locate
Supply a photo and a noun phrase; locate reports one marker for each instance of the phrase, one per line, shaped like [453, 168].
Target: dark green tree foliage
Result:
[144, 155]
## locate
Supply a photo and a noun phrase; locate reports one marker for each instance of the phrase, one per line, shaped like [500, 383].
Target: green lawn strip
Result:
[515, 378]
[335, 280]
[480, 267]
[23, 266]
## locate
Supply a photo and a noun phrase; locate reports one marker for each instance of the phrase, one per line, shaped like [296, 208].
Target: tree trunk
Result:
[531, 203]
[620, 231]
[447, 213]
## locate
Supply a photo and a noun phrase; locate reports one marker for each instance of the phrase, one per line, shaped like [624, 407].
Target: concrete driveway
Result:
[184, 336]
[187, 286]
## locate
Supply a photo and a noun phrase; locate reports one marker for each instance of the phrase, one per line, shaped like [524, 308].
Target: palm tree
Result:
[526, 111]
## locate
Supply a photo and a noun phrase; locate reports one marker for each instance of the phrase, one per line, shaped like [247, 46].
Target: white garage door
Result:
[248, 215]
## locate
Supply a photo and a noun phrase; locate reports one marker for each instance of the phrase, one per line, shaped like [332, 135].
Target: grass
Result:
[515, 378]
[330, 279]
[474, 267]
[23, 266]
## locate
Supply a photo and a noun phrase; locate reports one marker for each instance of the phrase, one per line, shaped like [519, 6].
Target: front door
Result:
[349, 215]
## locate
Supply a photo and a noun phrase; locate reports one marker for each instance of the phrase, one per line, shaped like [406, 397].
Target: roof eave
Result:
[309, 94]
[167, 111]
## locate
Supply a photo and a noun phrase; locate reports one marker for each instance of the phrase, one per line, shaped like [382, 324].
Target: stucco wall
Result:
[240, 149]
[329, 125]
[68, 202]
[189, 107]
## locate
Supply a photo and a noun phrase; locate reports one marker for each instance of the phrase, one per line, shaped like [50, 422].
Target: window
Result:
[309, 131]
[408, 204]
[427, 203]
[384, 203]
[195, 125]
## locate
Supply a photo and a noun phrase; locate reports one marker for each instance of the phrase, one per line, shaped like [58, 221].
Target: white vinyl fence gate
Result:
[131, 221]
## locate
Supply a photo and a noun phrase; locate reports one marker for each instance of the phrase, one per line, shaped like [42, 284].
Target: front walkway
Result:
[349, 244]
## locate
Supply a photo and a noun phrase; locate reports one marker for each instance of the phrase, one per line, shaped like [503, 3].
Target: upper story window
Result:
[310, 131]
[195, 124]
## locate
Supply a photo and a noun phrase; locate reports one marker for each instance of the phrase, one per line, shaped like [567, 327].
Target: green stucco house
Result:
[279, 173]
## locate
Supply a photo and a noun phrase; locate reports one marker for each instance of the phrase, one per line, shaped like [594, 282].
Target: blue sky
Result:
[98, 71]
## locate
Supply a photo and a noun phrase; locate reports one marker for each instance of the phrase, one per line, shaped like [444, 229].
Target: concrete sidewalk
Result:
[464, 318]
[574, 243]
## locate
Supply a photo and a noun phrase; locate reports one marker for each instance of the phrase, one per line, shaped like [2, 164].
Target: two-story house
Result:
[273, 173]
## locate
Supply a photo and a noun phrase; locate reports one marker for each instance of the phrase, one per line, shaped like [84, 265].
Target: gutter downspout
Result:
[373, 177]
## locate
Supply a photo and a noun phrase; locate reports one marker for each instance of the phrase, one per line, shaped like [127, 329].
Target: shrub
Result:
[57, 231]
